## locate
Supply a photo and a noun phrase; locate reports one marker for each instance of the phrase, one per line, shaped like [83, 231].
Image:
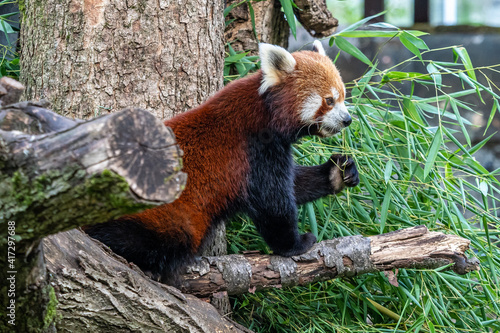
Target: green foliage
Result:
[287, 6]
[412, 172]
[9, 58]
[237, 65]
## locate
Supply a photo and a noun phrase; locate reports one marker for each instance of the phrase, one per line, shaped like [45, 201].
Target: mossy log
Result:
[415, 247]
[57, 174]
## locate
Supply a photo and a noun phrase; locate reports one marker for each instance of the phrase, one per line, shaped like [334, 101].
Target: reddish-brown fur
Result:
[237, 155]
[212, 137]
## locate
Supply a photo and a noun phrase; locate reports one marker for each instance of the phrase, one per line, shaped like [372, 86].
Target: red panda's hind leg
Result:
[161, 257]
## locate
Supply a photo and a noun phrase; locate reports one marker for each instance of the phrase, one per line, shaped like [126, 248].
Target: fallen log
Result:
[415, 247]
[98, 291]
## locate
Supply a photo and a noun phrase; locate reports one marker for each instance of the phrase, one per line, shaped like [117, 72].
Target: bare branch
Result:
[347, 256]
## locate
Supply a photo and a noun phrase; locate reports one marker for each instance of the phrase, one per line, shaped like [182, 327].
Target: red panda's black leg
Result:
[273, 210]
[314, 182]
[281, 233]
[271, 199]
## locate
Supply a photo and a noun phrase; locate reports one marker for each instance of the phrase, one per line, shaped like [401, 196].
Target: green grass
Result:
[410, 176]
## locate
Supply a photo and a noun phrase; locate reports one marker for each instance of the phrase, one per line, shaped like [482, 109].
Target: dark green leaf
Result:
[287, 6]
[433, 152]
[347, 47]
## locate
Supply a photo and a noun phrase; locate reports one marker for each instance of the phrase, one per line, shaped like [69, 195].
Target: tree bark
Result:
[270, 24]
[89, 57]
[347, 256]
[165, 56]
[99, 291]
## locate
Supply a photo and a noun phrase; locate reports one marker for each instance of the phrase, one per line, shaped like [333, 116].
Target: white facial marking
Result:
[275, 61]
[334, 119]
[309, 108]
[335, 94]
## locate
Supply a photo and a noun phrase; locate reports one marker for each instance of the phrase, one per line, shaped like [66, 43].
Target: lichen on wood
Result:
[415, 247]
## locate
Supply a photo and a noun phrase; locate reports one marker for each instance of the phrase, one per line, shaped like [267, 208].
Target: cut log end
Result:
[10, 90]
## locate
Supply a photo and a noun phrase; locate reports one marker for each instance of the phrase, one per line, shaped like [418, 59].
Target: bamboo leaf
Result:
[433, 152]
[495, 107]
[388, 171]
[435, 74]
[361, 22]
[312, 218]
[480, 144]
[413, 43]
[347, 47]
[461, 52]
[460, 122]
[384, 211]
[411, 111]
[287, 6]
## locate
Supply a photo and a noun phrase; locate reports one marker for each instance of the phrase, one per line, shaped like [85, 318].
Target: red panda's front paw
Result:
[351, 175]
[301, 245]
[308, 240]
[343, 172]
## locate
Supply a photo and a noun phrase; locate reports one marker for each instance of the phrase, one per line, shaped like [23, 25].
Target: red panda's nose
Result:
[347, 121]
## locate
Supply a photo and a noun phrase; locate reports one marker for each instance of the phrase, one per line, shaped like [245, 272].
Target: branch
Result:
[415, 247]
[315, 17]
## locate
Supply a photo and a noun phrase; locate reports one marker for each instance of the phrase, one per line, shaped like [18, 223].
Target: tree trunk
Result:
[89, 57]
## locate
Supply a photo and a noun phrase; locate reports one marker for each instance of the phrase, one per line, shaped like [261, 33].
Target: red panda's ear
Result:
[318, 47]
[275, 62]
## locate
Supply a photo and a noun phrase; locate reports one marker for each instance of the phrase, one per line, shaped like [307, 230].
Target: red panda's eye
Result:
[330, 101]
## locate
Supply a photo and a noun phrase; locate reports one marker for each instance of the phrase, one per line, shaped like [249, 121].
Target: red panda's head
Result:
[310, 82]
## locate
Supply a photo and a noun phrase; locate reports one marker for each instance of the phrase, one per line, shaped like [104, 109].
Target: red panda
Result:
[237, 155]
